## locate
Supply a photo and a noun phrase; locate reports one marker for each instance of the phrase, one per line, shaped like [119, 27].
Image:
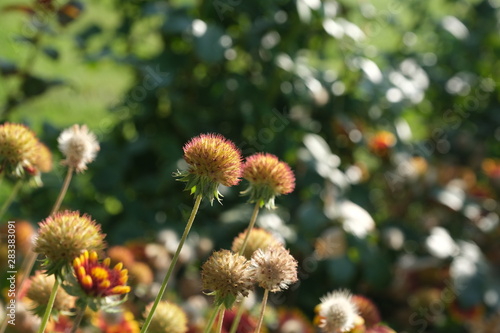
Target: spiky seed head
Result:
[337, 312]
[98, 279]
[39, 290]
[64, 236]
[227, 275]
[212, 160]
[18, 150]
[79, 146]
[168, 318]
[258, 239]
[367, 310]
[268, 177]
[275, 268]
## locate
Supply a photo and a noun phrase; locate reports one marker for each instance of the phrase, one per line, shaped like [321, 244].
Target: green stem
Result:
[52, 298]
[12, 196]
[262, 311]
[236, 321]
[78, 319]
[63, 191]
[221, 320]
[212, 318]
[172, 264]
[250, 227]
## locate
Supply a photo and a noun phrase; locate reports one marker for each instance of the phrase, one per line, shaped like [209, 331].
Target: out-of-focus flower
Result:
[268, 177]
[63, 324]
[168, 318]
[121, 254]
[247, 323]
[24, 235]
[18, 150]
[485, 324]
[43, 158]
[64, 236]
[140, 273]
[258, 239]
[331, 244]
[212, 160]
[469, 315]
[491, 167]
[367, 310]
[227, 275]
[380, 328]
[79, 146]
[116, 322]
[337, 312]
[275, 269]
[39, 290]
[381, 142]
[293, 320]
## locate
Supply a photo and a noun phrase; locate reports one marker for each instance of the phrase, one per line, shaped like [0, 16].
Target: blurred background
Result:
[387, 111]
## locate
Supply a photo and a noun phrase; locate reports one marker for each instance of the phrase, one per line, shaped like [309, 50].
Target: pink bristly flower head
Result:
[268, 177]
[212, 160]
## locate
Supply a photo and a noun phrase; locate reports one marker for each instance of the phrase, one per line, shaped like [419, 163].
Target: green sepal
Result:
[264, 195]
[228, 300]
[199, 185]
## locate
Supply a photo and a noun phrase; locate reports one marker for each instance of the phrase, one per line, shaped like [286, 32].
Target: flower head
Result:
[337, 312]
[228, 275]
[275, 268]
[168, 318]
[367, 310]
[268, 177]
[18, 149]
[97, 279]
[39, 290]
[64, 236]
[79, 145]
[258, 239]
[212, 160]
[43, 158]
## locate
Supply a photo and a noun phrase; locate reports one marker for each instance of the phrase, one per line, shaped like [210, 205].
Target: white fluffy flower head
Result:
[79, 145]
[337, 312]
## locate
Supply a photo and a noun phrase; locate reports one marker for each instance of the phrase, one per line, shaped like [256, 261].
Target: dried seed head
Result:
[275, 269]
[18, 149]
[212, 160]
[79, 145]
[268, 177]
[168, 318]
[64, 236]
[258, 239]
[39, 290]
[228, 275]
[337, 312]
[98, 279]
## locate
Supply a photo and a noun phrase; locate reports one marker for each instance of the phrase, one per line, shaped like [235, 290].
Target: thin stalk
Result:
[236, 321]
[78, 319]
[63, 191]
[212, 318]
[172, 264]
[264, 303]
[11, 197]
[250, 227]
[52, 298]
[221, 320]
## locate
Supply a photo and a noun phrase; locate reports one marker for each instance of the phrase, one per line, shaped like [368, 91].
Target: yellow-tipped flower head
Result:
[275, 268]
[18, 150]
[258, 239]
[64, 236]
[212, 160]
[268, 177]
[168, 318]
[79, 145]
[227, 275]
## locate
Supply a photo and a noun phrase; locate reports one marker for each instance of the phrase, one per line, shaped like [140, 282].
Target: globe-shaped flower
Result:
[18, 149]
[275, 269]
[268, 177]
[168, 318]
[43, 158]
[79, 145]
[212, 160]
[39, 290]
[64, 236]
[228, 275]
[258, 239]
[337, 312]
